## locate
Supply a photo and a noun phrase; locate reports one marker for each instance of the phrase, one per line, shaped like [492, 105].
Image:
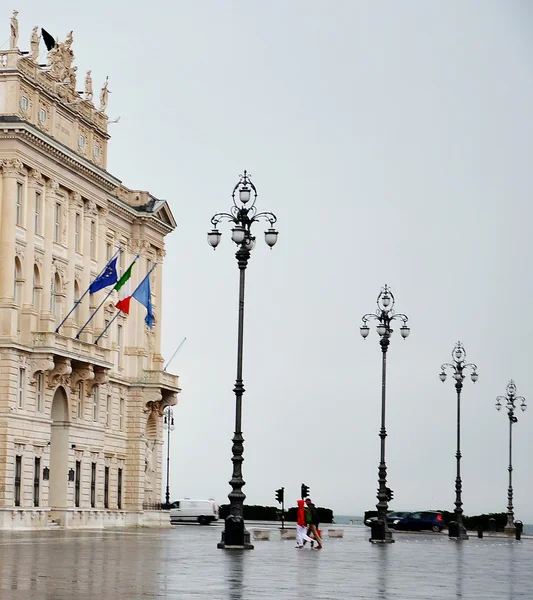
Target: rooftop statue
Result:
[88, 87]
[14, 31]
[104, 95]
[34, 44]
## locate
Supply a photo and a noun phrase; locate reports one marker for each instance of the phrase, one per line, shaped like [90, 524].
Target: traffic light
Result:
[305, 491]
[390, 494]
[280, 494]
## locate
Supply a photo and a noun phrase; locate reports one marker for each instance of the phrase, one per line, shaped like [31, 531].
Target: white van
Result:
[194, 511]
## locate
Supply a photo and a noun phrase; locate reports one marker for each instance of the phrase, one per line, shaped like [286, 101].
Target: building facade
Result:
[80, 421]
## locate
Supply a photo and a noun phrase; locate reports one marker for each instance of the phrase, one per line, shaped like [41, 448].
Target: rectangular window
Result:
[18, 473]
[119, 489]
[19, 203]
[96, 402]
[93, 240]
[121, 258]
[38, 211]
[108, 412]
[106, 487]
[119, 345]
[39, 399]
[121, 415]
[108, 251]
[57, 222]
[80, 400]
[93, 485]
[22, 377]
[36, 481]
[77, 231]
[77, 479]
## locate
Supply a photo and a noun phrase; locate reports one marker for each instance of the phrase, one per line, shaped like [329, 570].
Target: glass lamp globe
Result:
[381, 329]
[364, 330]
[404, 331]
[442, 376]
[385, 299]
[238, 234]
[474, 377]
[213, 238]
[244, 194]
[271, 237]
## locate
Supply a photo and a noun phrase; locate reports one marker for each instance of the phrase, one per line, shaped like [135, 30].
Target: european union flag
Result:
[108, 277]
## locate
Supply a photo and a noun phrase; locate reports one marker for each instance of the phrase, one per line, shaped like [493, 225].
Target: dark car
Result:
[392, 518]
[421, 521]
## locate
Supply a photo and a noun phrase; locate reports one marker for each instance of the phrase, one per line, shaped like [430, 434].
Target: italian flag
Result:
[124, 293]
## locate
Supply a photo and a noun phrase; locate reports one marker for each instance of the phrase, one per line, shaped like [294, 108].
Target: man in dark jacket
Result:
[313, 526]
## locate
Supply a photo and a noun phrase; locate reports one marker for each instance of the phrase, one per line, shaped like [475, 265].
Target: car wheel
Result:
[436, 529]
[203, 521]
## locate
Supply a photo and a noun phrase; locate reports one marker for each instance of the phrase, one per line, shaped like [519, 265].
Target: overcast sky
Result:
[393, 140]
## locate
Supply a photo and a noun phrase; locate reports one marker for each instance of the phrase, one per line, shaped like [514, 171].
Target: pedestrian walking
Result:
[313, 525]
[301, 526]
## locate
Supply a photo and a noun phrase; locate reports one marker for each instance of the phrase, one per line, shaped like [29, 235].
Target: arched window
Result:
[36, 296]
[76, 298]
[17, 292]
[54, 296]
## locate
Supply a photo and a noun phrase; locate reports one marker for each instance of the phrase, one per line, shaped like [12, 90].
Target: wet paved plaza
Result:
[183, 563]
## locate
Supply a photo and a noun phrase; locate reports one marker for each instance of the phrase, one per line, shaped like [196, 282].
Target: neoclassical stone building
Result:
[80, 423]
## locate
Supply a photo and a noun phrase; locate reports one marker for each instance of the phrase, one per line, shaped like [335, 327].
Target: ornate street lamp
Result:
[459, 365]
[168, 425]
[510, 403]
[384, 315]
[243, 214]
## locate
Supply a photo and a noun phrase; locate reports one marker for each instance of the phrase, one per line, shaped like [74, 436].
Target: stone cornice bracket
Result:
[90, 208]
[85, 373]
[154, 405]
[60, 373]
[75, 199]
[35, 178]
[11, 167]
[40, 364]
[52, 185]
[101, 377]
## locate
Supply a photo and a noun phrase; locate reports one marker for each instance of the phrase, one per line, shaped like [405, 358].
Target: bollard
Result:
[453, 529]
[378, 530]
[519, 526]
[492, 524]
[480, 533]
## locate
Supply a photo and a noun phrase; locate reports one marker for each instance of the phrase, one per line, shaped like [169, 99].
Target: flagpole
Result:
[119, 311]
[86, 291]
[175, 352]
[101, 303]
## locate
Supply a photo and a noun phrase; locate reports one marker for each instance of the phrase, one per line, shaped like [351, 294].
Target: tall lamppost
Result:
[243, 214]
[384, 315]
[458, 367]
[510, 403]
[168, 425]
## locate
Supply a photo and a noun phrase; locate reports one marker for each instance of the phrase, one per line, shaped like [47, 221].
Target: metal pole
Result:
[458, 482]
[510, 512]
[237, 496]
[167, 495]
[382, 505]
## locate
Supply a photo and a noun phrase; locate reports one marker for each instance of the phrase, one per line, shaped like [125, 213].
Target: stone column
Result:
[157, 359]
[102, 261]
[75, 205]
[47, 318]
[86, 308]
[29, 310]
[12, 172]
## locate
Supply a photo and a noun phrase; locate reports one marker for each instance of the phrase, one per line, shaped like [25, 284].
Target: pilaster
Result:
[47, 319]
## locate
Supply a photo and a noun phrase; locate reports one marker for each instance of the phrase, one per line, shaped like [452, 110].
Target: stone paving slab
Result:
[183, 563]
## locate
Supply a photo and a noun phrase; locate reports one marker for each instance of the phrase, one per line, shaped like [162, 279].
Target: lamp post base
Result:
[509, 530]
[380, 534]
[456, 531]
[235, 535]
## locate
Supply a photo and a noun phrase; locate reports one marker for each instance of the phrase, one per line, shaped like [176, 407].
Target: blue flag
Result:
[142, 294]
[108, 277]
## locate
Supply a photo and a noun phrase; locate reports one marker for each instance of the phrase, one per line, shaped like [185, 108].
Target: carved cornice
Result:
[91, 209]
[75, 199]
[12, 167]
[85, 373]
[52, 186]
[35, 178]
[101, 377]
[40, 364]
[59, 375]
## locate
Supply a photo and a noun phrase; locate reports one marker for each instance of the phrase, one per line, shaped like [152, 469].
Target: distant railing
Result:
[154, 506]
